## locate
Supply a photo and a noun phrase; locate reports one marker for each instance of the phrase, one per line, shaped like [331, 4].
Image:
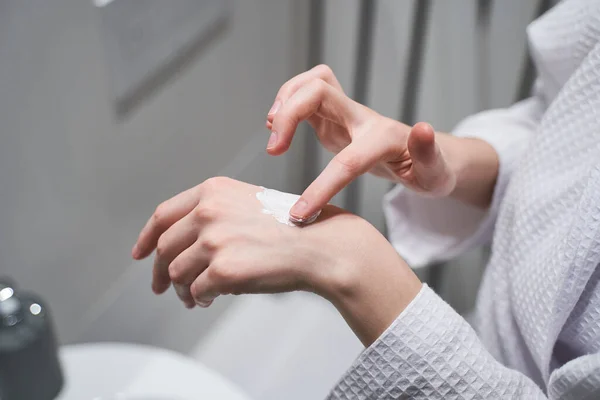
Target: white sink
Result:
[115, 371]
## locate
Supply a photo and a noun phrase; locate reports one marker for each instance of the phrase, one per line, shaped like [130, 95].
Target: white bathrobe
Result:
[538, 313]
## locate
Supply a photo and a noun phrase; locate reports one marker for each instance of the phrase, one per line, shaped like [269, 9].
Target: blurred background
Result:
[108, 108]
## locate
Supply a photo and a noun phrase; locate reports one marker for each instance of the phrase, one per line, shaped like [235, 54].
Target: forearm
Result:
[475, 164]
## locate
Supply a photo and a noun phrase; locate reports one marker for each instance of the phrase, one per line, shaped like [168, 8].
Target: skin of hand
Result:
[434, 164]
[213, 239]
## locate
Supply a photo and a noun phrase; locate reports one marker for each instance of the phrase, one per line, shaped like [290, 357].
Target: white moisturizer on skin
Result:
[278, 204]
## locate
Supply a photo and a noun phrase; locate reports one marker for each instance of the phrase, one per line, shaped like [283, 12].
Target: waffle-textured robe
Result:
[537, 333]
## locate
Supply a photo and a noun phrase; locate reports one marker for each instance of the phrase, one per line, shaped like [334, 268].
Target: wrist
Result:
[452, 149]
[356, 269]
[370, 306]
[474, 163]
[370, 291]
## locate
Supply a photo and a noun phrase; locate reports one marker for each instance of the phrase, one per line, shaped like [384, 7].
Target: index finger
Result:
[354, 160]
[288, 89]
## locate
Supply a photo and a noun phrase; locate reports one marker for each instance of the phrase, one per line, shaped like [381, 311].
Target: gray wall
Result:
[78, 181]
[453, 79]
[460, 76]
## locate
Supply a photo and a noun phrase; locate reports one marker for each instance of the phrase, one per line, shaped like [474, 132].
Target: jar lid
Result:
[11, 308]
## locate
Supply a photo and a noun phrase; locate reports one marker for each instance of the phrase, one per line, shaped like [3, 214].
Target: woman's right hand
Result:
[363, 141]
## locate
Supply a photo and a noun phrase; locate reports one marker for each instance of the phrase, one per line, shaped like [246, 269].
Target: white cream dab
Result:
[278, 204]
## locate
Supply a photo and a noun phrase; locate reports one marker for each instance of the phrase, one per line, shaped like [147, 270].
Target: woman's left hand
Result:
[213, 239]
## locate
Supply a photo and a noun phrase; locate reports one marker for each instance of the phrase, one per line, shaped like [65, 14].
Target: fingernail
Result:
[272, 140]
[299, 211]
[135, 251]
[274, 107]
[204, 304]
[160, 288]
[189, 306]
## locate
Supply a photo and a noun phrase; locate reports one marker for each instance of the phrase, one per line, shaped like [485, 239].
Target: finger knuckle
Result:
[286, 120]
[319, 86]
[161, 247]
[324, 70]
[218, 273]
[182, 291]
[211, 243]
[195, 289]
[214, 183]
[393, 135]
[160, 213]
[285, 90]
[176, 273]
[223, 277]
[349, 163]
[289, 87]
[206, 211]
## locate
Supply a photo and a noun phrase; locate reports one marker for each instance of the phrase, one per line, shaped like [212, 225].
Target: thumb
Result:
[429, 167]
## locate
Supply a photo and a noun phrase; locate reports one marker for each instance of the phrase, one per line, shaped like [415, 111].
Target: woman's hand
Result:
[213, 239]
[362, 140]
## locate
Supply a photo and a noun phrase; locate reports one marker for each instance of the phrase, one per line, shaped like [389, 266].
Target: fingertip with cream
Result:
[300, 211]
